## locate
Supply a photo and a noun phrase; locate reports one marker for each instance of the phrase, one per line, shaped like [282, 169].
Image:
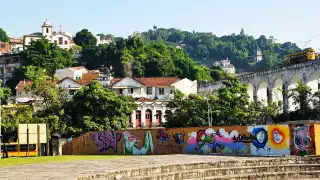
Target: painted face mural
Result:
[132, 144]
[277, 137]
[302, 139]
[261, 137]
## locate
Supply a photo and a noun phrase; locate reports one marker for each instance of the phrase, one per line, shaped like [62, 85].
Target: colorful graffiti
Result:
[270, 140]
[106, 140]
[179, 138]
[260, 140]
[133, 144]
[209, 141]
[301, 139]
[169, 142]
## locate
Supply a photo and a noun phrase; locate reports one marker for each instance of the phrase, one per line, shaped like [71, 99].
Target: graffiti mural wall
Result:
[207, 141]
[136, 145]
[263, 140]
[270, 140]
[303, 139]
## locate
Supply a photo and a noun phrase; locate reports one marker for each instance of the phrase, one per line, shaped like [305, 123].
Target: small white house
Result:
[152, 95]
[71, 86]
[73, 72]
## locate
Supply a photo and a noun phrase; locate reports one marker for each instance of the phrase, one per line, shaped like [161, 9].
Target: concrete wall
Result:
[248, 140]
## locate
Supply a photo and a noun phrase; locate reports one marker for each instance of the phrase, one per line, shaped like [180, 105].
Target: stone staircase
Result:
[255, 169]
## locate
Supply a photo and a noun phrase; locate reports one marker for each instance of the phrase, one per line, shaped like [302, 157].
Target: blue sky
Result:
[286, 20]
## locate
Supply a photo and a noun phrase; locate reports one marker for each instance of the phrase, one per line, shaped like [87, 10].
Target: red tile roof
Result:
[115, 80]
[84, 81]
[23, 84]
[152, 81]
[158, 81]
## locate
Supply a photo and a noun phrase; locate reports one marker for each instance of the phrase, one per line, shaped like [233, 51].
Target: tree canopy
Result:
[241, 48]
[94, 108]
[85, 38]
[42, 53]
[3, 36]
[133, 57]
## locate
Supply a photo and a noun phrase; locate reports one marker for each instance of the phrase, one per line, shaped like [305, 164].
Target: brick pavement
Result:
[72, 169]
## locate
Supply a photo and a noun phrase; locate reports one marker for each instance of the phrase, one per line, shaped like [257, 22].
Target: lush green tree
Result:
[85, 38]
[191, 111]
[94, 108]
[241, 49]
[42, 53]
[3, 36]
[5, 94]
[302, 98]
[54, 99]
[12, 117]
[232, 104]
[262, 114]
[44, 86]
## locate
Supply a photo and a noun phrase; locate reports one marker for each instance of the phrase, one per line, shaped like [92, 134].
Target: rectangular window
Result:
[55, 41]
[65, 42]
[171, 91]
[120, 91]
[161, 91]
[60, 41]
[149, 90]
[47, 29]
[72, 92]
[130, 90]
[3, 45]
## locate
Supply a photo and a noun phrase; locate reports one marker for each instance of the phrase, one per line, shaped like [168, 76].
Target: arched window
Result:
[148, 118]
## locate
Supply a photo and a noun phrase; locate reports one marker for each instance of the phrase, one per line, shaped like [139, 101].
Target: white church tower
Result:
[47, 29]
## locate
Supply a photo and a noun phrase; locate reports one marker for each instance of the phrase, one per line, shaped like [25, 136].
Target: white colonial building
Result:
[226, 66]
[152, 95]
[62, 39]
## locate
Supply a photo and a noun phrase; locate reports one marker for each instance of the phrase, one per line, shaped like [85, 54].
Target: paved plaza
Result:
[72, 169]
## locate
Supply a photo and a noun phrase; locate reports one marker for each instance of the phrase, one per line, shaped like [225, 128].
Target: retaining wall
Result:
[246, 140]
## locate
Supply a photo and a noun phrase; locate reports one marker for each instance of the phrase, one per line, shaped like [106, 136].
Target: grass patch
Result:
[13, 161]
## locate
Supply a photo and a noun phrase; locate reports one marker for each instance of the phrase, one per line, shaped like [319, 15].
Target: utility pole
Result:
[0, 120]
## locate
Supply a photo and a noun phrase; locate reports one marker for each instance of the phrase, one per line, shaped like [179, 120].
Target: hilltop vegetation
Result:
[136, 58]
[206, 48]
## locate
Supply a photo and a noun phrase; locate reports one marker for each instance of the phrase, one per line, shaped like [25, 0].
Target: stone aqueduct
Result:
[269, 85]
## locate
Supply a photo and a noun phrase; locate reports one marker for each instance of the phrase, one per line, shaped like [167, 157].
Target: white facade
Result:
[70, 85]
[62, 39]
[226, 66]
[68, 72]
[152, 95]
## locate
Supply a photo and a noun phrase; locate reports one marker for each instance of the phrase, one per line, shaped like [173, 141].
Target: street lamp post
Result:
[209, 114]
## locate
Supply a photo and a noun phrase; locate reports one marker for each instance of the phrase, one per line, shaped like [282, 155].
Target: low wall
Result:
[246, 140]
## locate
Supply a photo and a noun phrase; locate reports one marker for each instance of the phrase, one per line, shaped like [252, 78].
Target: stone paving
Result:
[72, 169]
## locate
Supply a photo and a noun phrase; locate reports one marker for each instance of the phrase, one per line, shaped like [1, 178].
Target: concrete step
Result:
[181, 167]
[290, 175]
[201, 173]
